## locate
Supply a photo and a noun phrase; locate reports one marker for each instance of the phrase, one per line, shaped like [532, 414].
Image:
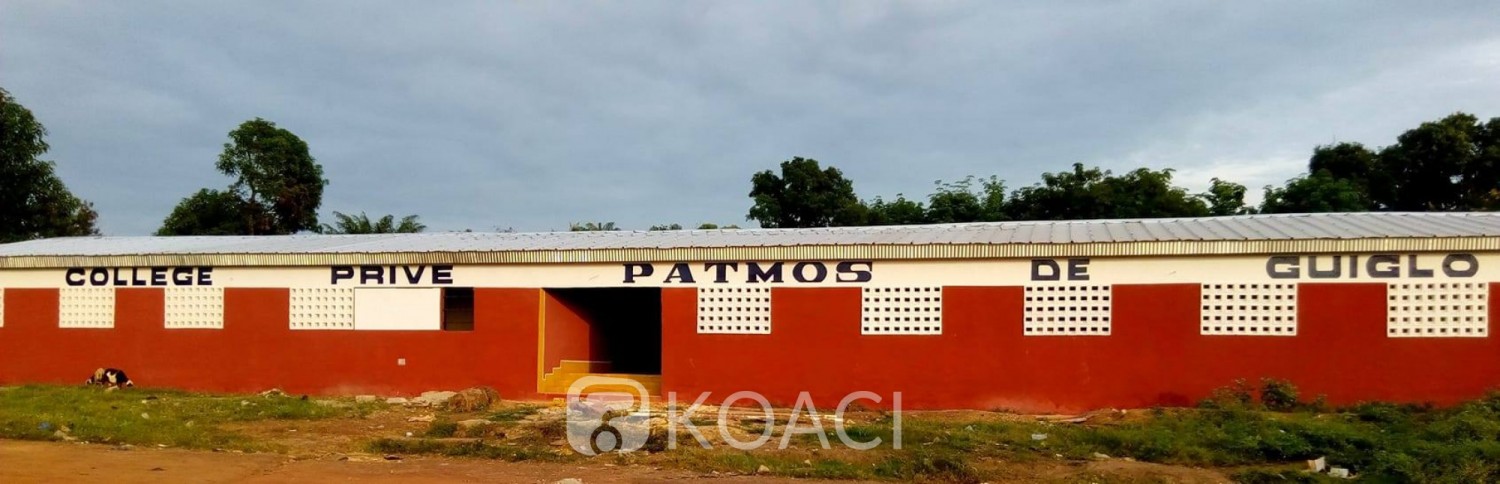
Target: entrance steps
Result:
[564, 375]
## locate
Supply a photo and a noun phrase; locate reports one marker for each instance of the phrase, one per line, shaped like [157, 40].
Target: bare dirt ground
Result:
[52, 462]
[334, 449]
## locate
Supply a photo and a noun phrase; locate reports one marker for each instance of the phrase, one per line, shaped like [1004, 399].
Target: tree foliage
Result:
[804, 195]
[658, 228]
[278, 187]
[1225, 198]
[1319, 192]
[208, 212]
[34, 202]
[896, 212]
[1451, 164]
[1444, 165]
[592, 227]
[1092, 193]
[275, 175]
[1352, 162]
[361, 224]
[960, 202]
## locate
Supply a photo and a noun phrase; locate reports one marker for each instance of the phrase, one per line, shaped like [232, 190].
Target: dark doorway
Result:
[624, 325]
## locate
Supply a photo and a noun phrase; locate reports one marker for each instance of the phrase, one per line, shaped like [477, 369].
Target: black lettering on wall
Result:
[681, 272]
[755, 274]
[1383, 266]
[75, 271]
[1316, 273]
[1078, 269]
[1413, 271]
[851, 269]
[820, 272]
[1283, 267]
[1468, 261]
[442, 274]
[633, 271]
[721, 270]
[1045, 270]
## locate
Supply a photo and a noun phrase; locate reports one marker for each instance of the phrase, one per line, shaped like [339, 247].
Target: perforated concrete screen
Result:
[194, 307]
[1437, 309]
[322, 308]
[1249, 309]
[398, 309]
[1067, 310]
[734, 310]
[86, 307]
[901, 310]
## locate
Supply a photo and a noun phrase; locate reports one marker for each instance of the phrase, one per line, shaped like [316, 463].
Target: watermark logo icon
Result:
[609, 414]
[614, 419]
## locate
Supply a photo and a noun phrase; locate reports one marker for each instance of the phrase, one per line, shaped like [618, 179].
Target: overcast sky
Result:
[531, 115]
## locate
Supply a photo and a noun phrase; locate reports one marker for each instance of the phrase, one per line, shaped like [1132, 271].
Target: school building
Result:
[1028, 316]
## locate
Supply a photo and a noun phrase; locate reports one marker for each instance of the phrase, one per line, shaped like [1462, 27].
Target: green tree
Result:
[804, 195]
[659, 228]
[1091, 193]
[208, 212]
[34, 202]
[1353, 162]
[277, 182]
[896, 212]
[959, 202]
[1319, 192]
[276, 175]
[592, 227]
[361, 224]
[714, 226]
[1225, 198]
[1444, 165]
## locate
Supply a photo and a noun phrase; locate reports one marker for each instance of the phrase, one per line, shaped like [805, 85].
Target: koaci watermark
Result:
[607, 414]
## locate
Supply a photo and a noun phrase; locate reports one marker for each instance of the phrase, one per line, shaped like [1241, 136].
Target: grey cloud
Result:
[534, 114]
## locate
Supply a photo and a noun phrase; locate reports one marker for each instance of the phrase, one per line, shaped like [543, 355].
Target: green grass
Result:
[515, 413]
[476, 449]
[1381, 442]
[442, 429]
[148, 416]
[1233, 432]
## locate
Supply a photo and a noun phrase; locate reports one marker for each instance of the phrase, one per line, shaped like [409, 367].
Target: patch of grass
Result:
[478, 449]
[148, 416]
[928, 465]
[1382, 442]
[515, 413]
[442, 429]
[1274, 476]
[1279, 395]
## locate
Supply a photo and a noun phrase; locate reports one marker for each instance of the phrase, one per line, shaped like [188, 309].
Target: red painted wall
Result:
[570, 336]
[256, 350]
[1154, 356]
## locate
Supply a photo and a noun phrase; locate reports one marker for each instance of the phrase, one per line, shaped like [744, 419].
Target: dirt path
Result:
[50, 462]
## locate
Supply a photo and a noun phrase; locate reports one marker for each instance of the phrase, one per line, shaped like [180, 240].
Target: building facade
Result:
[1027, 316]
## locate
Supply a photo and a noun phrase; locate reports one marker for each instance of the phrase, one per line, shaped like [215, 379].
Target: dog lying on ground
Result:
[112, 378]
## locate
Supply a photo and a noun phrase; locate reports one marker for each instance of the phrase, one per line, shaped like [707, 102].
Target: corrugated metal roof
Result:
[1239, 234]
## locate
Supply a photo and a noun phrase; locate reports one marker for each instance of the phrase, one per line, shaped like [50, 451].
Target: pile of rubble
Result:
[470, 400]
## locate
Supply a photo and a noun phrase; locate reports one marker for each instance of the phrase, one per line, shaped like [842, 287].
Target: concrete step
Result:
[558, 382]
[579, 366]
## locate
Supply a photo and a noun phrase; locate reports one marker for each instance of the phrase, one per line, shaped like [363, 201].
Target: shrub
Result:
[442, 429]
[1278, 395]
[1238, 395]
